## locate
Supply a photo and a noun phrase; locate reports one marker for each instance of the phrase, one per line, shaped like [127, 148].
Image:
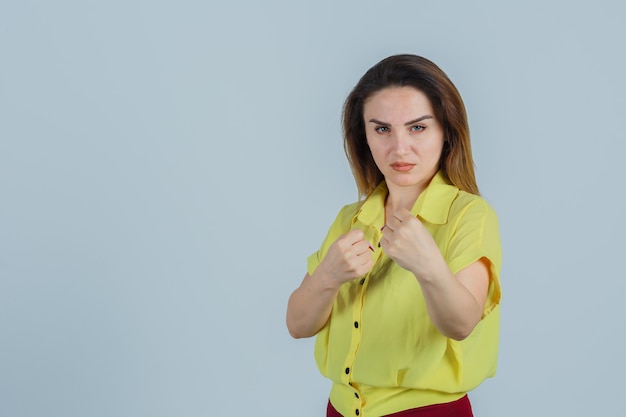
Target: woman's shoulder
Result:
[347, 213]
[472, 203]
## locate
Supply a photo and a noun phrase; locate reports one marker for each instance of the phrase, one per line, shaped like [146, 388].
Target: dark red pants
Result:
[458, 408]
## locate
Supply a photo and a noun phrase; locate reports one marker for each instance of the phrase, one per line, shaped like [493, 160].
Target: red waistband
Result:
[458, 408]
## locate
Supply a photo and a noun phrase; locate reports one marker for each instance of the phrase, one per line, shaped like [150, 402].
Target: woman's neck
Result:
[401, 198]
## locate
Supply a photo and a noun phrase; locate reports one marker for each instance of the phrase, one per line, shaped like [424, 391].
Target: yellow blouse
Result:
[379, 347]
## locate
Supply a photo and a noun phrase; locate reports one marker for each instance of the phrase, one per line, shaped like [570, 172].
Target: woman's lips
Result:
[402, 166]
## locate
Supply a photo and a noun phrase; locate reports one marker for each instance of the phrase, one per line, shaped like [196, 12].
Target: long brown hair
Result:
[412, 71]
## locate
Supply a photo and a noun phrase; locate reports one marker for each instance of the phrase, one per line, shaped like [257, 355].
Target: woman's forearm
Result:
[310, 305]
[455, 303]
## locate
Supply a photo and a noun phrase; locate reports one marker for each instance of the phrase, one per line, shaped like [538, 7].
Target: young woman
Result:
[404, 292]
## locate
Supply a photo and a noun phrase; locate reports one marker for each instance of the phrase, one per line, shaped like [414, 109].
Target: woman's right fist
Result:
[349, 257]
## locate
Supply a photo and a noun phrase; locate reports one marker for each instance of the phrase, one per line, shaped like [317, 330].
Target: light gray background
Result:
[166, 168]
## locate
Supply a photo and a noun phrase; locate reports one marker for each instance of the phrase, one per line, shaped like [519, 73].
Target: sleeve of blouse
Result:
[340, 226]
[477, 236]
[312, 262]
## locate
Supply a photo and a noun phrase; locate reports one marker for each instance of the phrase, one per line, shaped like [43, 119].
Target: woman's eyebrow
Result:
[419, 119]
[378, 122]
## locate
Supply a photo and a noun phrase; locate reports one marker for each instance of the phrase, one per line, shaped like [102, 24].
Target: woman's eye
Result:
[382, 129]
[417, 128]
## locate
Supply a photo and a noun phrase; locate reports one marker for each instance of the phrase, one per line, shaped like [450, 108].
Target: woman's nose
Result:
[401, 143]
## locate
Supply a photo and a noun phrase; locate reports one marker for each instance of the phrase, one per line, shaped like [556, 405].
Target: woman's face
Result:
[404, 137]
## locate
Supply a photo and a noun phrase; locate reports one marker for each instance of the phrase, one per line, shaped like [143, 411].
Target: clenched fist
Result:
[408, 243]
[349, 257]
